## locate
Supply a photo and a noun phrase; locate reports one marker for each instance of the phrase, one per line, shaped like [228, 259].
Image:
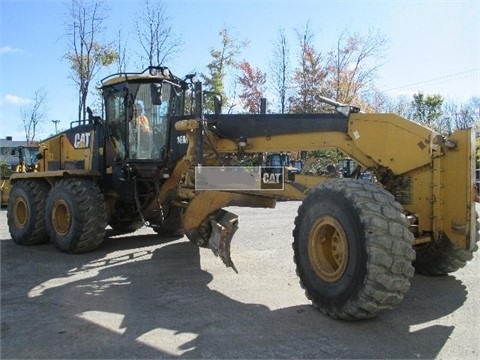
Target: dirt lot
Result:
[144, 297]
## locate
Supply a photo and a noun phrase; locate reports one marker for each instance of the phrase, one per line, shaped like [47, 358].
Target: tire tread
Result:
[388, 243]
[36, 192]
[91, 217]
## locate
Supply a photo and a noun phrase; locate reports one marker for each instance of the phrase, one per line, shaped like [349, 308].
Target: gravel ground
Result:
[140, 296]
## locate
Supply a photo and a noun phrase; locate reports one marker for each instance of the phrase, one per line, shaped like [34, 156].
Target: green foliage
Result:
[83, 65]
[5, 170]
[222, 59]
[333, 154]
[426, 109]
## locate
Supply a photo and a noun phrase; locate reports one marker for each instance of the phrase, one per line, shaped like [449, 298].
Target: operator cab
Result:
[140, 136]
[137, 109]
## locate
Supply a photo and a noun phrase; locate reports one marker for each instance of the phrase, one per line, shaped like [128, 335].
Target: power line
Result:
[442, 78]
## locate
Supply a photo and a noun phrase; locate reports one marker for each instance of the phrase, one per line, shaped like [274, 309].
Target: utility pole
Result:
[56, 122]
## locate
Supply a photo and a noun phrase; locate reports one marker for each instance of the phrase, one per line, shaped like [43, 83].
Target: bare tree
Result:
[463, 116]
[280, 69]
[474, 106]
[469, 114]
[377, 101]
[34, 114]
[157, 39]
[346, 74]
[353, 64]
[121, 52]
[87, 55]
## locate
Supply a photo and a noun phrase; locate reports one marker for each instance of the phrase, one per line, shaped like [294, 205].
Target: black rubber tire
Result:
[76, 216]
[441, 257]
[375, 272]
[26, 212]
[171, 225]
[125, 227]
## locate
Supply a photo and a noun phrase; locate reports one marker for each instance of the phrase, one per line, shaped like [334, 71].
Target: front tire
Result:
[171, 223]
[353, 249]
[125, 227]
[76, 216]
[26, 212]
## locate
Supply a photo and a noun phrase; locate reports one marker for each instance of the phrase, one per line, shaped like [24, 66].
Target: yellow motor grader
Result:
[15, 156]
[149, 160]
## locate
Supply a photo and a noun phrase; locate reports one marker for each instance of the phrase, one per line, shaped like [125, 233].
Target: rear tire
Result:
[26, 212]
[441, 257]
[76, 216]
[353, 249]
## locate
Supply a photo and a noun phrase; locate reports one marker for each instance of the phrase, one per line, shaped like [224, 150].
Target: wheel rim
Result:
[61, 217]
[20, 209]
[328, 249]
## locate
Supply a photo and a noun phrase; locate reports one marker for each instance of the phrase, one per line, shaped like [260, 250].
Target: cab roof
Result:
[152, 72]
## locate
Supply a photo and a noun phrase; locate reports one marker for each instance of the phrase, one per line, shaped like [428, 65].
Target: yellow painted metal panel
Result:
[392, 141]
[457, 195]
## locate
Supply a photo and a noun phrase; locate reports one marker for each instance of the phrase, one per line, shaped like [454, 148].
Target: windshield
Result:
[137, 117]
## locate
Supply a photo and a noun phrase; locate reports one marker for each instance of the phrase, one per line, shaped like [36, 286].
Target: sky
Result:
[434, 46]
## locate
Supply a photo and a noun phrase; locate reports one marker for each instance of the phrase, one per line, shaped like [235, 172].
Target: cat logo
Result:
[81, 141]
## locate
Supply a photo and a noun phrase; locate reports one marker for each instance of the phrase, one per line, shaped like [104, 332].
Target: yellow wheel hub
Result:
[20, 211]
[61, 217]
[328, 249]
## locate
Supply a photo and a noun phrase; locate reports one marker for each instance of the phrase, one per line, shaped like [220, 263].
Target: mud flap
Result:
[224, 225]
